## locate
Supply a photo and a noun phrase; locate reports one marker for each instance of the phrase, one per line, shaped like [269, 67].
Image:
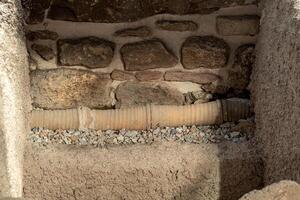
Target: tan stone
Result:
[120, 75]
[90, 52]
[238, 25]
[67, 88]
[149, 54]
[149, 75]
[141, 93]
[195, 77]
[204, 51]
[284, 190]
[142, 31]
[172, 25]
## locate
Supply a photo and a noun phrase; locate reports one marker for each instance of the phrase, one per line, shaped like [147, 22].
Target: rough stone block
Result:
[171, 25]
[149, 54]
[42, 35]
[206, 51]
[67, 88]
[44, 51]
[90, 52]
[238, 25]
[239, 75]
[142, 31]
[142, 93]
[36, 10]
[195, 77]
[120, 75]
[149, 75]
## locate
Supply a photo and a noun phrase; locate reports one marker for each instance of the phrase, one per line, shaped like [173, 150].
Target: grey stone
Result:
[90, 52]
[172, 25]
[67, 88]
[141, 93]
[35, 10]
[205, 51]
[148, 54]
[195, 77]
[44, 51]
[115, 11]
[238, 25]
[142, 31]
[239, 75]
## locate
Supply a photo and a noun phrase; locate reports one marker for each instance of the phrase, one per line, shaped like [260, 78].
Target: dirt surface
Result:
[162, 170]
[276, 88]
[284, 190]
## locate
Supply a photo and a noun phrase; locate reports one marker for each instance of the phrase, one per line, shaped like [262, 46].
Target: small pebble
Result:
[187, 134]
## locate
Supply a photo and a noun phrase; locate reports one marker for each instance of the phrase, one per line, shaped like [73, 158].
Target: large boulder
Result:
[149, 54]
[142, 93]
[90, 52]
[66, 88]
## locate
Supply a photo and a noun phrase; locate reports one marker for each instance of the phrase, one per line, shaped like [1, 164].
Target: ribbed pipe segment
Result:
[143, 117]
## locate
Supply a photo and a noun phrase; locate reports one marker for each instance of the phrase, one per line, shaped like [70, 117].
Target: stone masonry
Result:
[156, 60]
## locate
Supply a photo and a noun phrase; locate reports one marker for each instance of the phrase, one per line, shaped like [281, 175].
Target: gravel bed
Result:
[234, 132]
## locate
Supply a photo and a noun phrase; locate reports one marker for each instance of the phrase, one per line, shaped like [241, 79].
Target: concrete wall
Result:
[14, 98]
[276, 90]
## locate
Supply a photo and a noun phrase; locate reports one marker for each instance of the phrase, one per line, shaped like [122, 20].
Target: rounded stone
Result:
[204, 51]
[149, 54]
[90, 52]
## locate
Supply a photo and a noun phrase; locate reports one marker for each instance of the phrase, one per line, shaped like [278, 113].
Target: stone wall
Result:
[123, 53]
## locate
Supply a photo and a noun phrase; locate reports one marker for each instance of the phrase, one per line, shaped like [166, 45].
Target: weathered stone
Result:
[197, 97]
[239, 75]
[120, 75]
[149, 75]
[36, 10]
[141, 93]
[67, 88]
[90, 52]
[215, 88]
[145, 55]
[171, 25]
[195, 77]
[206, 51]
[41, 35]
[283, 190]
[115, 11]
[44, 51]
[238, 25]
[142, 31]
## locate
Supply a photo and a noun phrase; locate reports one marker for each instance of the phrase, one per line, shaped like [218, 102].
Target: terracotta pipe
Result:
[143, 117]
